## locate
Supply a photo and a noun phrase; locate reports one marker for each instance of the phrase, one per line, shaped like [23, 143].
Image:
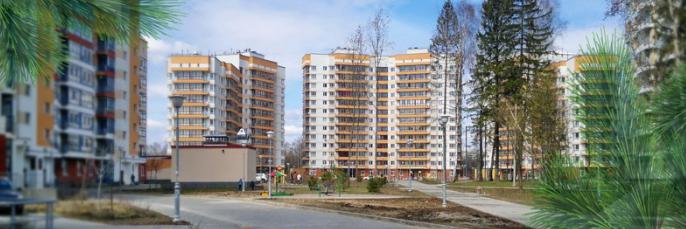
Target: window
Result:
[78, 168]
[63, 165]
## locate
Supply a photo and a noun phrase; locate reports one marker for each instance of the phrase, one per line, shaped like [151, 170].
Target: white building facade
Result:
[378, 120]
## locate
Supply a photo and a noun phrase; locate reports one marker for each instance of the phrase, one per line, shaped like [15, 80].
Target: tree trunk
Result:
[496, 150]
[481, 153]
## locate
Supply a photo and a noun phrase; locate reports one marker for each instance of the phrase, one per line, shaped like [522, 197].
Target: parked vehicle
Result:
[8, 194]
[261, 177]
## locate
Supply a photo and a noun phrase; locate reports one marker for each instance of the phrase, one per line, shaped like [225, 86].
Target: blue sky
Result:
[286, 30]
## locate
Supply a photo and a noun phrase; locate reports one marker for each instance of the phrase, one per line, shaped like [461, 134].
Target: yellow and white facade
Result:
[87, 118]
[225, 93]
[362, 121]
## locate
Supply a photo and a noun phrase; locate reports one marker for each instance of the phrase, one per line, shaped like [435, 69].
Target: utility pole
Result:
[177, 101]
[269, 176]
[444, 120]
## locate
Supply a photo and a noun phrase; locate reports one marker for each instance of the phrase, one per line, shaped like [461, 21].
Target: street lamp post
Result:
[444, 120]
[269, 163]
[409, 143]
[177, 101]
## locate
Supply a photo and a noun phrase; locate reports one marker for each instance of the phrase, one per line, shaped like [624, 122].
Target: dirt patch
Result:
[423, 209]
[117, 213]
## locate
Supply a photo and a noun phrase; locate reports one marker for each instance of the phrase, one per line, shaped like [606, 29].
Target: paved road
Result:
[508, 210]
[210, 212]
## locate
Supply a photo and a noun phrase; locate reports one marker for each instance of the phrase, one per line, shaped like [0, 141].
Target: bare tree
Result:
[445, 50]
[354, 80]
[468, 26]
[99, 171]
[155, 165]
[157, 149]
[294, 152]
[378, 41]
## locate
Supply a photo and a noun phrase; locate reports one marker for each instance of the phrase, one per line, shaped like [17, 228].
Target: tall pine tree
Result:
[533, 20]
[515, 37]
[496, 43]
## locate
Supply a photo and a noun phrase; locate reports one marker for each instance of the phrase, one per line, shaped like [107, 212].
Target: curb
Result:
[382, 218]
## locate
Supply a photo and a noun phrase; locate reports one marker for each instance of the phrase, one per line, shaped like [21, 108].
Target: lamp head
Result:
[270, 134]
[177, 100]
[444, 119]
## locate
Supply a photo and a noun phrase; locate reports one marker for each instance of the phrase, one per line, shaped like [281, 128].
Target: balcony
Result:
[105, 112]
[105, 70]
[105, 130]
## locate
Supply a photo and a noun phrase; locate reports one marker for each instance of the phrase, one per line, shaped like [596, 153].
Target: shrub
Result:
[312, 183]
[384, 181]
[375, 184]
[328, 180]
[358, 179]
[341, 180]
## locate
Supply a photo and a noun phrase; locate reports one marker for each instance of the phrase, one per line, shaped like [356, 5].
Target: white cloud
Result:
[159, 50]
[570, 40]
[293, 132]
[293, 127]
[152, 123]
[158, 90]
[157, 130]
[281, 30]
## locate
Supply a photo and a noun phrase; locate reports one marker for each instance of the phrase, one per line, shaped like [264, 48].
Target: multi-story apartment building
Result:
[86, 119]
[225, 93]
[651, 31]
[381, 119]
[643, 36]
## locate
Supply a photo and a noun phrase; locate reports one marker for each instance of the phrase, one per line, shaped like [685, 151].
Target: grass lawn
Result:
[354, 188]
[117, 213]
[499, 184]
[501, 190]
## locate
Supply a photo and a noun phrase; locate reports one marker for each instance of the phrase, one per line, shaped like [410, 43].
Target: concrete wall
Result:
[215, 164]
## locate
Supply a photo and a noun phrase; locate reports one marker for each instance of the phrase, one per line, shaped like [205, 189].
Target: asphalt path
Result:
[216, 212]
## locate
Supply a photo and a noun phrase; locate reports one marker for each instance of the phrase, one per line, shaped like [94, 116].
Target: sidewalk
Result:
[504, 209]
[61, 222]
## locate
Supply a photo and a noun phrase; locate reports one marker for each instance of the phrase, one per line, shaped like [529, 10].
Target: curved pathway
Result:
[214, 212]
[508, 210]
